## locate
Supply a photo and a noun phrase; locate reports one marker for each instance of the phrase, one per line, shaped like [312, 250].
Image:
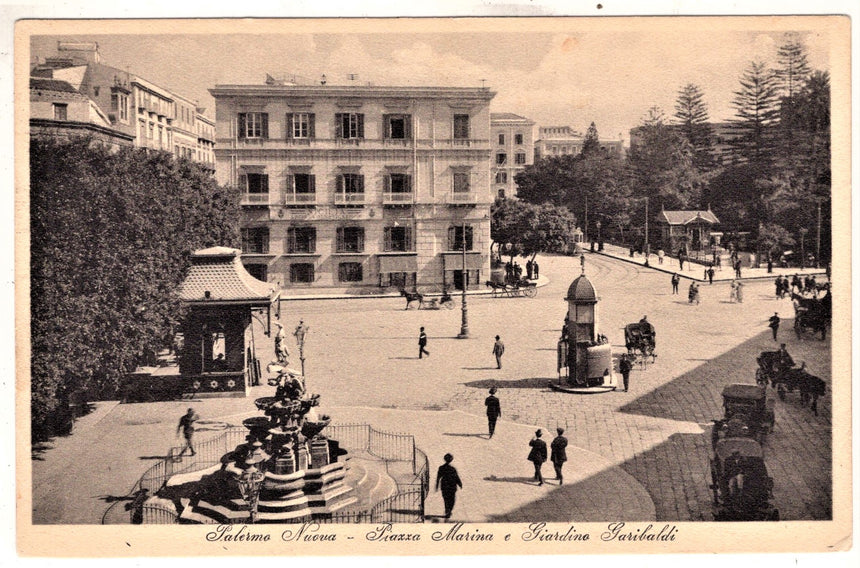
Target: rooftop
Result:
[218, 276]
[685, 217]
[51, 85]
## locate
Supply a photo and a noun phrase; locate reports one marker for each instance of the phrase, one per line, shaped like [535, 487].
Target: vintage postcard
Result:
[371, 287]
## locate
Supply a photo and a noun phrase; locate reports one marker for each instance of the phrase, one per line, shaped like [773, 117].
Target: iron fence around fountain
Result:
[389, 447]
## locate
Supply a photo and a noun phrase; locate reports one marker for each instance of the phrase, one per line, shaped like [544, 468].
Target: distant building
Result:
[359, 187]
[513, 141]
[153, 116]
[59, 111]
[565, 141]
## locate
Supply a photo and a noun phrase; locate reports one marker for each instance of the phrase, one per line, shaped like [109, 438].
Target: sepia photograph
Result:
[404, 286]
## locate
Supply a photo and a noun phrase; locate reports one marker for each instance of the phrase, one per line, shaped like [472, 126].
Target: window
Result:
[402, 280]
[61, 111]
[398, 183]
[518, 139]
[150, 133]
[520, 158]
[461, 126]
[304, 183]
[461, 182]
[349, 125]
[501, 177]
[397, 239]
[300, 125]
[398, 126]
[119, 104]
[301, 240]
[350, 239]
[349, 272]
[301, 273]
[350, 183]
[254, 183]
[501, 139]
[258, 271]
[501, 193]
[501, 159]
[455, 237]
[255, 240]
[253, 125]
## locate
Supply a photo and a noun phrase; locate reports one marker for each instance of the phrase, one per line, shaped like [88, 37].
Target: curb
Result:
[539, 283]
[682, 275]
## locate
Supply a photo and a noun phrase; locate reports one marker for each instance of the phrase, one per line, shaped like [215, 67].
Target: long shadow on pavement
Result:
[530, 383]
[676, 472]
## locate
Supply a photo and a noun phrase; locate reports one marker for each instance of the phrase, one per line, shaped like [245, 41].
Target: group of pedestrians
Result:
[736, 292]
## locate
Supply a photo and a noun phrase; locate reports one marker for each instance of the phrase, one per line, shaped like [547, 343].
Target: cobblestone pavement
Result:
[365, 353]
[639, 455]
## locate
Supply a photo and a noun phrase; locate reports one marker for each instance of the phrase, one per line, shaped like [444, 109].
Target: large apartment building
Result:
[565, 141]
[513, 141]
[359, 187]
[154, 117]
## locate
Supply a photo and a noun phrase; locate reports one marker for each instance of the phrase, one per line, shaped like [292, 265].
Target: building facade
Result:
[59, 111]
[565, 141]
[513, 141]
[153, 116]
[359, 187]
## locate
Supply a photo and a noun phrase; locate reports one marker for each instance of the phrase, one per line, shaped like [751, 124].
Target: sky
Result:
[554, 77]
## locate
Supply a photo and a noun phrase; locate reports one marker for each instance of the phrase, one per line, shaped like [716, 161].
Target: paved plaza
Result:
[639, 455]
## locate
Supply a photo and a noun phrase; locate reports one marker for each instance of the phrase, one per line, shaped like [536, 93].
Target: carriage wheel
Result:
[530, 292]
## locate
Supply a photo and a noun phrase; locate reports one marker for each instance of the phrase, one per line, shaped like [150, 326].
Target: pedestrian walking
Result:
[448, 479]
[625, 366]
[710, 273]
[774, 324]
[675, 281]
[536, 269]
[660, 255]
[733, 291]
[778, 284]
[558, 454]
[494, 410]
[529, 269]
[739, 292]
[693, 294]
[422, 344]
[498, 351]
[537, 455]
[186, 426]
[681, 261]
[719, 263]
[737, 268]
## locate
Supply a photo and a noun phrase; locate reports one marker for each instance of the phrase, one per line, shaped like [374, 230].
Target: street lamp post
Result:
[818, 239]
[464, 323]
[599, 242]
[803, 231]
[300, 332]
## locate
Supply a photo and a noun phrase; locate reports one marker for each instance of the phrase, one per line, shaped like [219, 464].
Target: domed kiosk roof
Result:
[581, 291]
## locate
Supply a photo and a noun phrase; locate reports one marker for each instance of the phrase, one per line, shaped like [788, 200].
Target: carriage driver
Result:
[785, 360]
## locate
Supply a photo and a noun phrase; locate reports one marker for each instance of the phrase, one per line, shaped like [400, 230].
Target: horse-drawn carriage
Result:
[743, 490]
[639, 338]
[778, 369]
[746, 414]
[443, 301]
[522, 287]
[812, 315]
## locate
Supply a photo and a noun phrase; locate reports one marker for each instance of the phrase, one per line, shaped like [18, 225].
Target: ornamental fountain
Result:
[286, 471]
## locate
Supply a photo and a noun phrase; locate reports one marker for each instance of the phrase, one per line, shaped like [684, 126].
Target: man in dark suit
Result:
[537, 455]
[422, 344]
[449, 480]
[494, 410]
[625, 366]
[774, 324]
[558, 454]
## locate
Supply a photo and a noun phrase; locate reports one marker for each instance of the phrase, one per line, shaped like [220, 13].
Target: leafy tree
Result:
[110, 237]
[546, 228]
[757, 112]
[591, 143]
[661, 165]
[548, 180]
[773, 239]
[691, 114]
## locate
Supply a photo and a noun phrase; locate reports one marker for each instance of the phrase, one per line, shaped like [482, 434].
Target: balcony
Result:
[300, 199]
[462, 198]
[397, 198]
[255, 200]
[355, 199]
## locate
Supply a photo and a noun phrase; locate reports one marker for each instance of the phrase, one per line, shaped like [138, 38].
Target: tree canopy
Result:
[110, 237]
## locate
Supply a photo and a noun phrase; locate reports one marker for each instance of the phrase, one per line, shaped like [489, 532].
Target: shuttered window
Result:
[397, 239]
[350, 239]
[301, 125]
[349, 125]
[253, 125]
[455, 237]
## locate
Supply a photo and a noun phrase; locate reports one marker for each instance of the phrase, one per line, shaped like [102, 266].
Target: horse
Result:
[812, 314]
[412, 297]
[809, 386]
